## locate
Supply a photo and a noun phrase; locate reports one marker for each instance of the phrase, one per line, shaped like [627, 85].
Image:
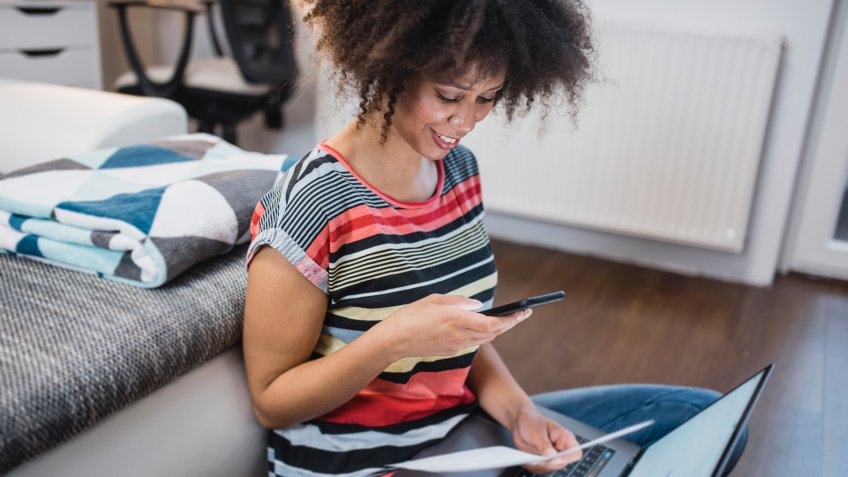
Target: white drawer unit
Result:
[50, 41]
[66, 66]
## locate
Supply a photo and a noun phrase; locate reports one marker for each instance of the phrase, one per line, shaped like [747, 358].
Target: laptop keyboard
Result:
[594, 459]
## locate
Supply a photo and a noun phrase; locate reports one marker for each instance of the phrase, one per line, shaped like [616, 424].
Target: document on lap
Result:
[496, 457]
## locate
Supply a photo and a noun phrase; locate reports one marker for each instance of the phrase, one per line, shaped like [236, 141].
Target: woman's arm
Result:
[502, 397]
[497, 391]
[283, 317]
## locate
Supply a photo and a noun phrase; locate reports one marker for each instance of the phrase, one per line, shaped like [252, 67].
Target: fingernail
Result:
[472, 304]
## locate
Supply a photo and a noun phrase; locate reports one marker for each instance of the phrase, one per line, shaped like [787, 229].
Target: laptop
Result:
[699, 447]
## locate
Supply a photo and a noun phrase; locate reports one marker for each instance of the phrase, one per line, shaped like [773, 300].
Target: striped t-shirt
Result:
[372, 254]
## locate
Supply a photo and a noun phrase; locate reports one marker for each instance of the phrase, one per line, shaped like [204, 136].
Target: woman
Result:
[361, 342]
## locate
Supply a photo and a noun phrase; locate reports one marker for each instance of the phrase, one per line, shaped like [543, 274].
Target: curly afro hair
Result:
[543, 46]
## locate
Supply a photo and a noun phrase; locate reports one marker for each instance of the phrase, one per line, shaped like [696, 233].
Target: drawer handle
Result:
[39, 11]
[44, 52]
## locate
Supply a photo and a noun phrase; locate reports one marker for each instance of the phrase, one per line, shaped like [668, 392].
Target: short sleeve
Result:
[294, 224]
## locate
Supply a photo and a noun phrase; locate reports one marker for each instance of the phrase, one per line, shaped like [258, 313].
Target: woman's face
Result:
[433, 116]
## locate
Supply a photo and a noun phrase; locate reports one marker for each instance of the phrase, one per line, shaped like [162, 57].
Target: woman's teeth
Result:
[449, 140]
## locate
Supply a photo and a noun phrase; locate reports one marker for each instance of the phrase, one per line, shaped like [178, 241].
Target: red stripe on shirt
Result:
[424, 384]
[254, 220]
[375, 410]
[362, 221]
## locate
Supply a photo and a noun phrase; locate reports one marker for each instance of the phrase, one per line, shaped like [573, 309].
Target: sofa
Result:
[184, 408]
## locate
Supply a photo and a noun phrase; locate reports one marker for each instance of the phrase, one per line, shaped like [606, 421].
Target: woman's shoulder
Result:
[307, 182]
[314, 165]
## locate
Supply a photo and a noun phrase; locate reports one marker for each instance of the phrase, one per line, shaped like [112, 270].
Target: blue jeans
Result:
[610, 408]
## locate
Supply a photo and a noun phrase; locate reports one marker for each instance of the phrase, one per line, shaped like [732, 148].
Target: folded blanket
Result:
[140, 214]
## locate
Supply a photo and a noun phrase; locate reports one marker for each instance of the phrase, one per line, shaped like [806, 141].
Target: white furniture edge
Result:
[40, 122]
[188, 427]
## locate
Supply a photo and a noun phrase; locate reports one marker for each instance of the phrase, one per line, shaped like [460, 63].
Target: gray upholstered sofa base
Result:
[199, 424]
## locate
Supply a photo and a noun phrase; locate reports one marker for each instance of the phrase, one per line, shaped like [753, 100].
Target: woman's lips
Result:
[443, 141]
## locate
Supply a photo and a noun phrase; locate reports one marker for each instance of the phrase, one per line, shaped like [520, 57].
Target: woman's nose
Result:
[462, 120]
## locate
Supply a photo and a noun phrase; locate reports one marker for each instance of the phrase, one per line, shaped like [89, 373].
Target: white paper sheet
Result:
[497, 457]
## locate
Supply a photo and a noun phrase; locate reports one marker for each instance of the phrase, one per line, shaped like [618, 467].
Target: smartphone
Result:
[524, 304]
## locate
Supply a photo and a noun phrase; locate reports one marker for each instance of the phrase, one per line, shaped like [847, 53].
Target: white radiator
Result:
[667, 145]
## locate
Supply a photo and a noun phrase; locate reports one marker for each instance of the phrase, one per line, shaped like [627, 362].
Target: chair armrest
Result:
[210, 22]
[148, 86]
[160, 4]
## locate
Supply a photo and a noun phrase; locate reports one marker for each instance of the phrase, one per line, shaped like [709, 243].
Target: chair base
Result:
[227, 131]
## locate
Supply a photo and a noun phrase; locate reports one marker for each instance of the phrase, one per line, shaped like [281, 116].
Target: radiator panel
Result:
[666, 146]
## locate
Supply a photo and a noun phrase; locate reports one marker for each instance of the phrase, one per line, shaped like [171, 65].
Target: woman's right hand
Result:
[443, 325]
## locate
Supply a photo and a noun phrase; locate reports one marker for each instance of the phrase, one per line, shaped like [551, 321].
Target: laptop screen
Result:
[695, 448]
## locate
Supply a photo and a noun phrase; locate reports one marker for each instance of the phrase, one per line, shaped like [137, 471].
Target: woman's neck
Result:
[393, 168]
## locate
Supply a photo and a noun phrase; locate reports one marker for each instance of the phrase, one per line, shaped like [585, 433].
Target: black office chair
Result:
[221, 91]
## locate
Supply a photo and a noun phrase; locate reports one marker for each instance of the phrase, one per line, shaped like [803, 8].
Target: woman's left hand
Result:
[537, 434]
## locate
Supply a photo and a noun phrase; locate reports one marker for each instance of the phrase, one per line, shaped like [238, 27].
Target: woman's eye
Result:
[445, 99]
[483, 99]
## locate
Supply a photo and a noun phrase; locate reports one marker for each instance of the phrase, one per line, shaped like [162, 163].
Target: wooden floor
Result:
[623, 323]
